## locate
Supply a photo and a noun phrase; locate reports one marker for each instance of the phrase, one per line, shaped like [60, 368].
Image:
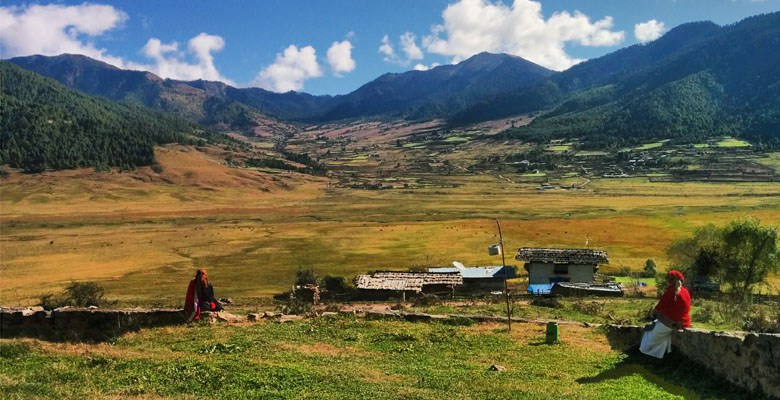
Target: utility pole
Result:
[506, 274]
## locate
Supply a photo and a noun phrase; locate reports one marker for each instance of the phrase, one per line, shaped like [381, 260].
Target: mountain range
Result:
[413, 94]
[696, 81]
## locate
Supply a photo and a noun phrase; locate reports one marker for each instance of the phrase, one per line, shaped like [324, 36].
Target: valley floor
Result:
[142, 234]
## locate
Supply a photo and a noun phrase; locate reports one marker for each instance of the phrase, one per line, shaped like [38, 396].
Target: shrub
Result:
[588, 307]
[85, 294]
[762, 320]
[334, 284]
[294, 306]
[157, 168]
[425, 300]
[306, 277]
[78, 294]
[650, 269]
[549, 302]
[49, 301]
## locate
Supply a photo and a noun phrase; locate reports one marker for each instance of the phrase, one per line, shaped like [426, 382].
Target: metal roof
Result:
[477, 272]
[570, 256]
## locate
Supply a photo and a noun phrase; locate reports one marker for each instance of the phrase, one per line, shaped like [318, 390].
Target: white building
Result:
[547, 266]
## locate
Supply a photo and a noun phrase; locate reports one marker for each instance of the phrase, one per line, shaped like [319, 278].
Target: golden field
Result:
[142, 234]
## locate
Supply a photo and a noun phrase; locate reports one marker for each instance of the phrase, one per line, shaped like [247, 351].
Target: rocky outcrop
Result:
[749, 360]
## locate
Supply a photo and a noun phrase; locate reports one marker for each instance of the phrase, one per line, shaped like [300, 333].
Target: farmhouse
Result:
[414, 282]
[480, 278]
[547, 266]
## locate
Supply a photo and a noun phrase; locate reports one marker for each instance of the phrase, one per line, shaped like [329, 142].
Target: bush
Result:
[650, 269]
[306, 277]
[334, 284]
[549, 302]
[425, 300]
[588, 307]
[77, 294]
[86, 294]
[762, 320]
[294, 306]
[49, 301]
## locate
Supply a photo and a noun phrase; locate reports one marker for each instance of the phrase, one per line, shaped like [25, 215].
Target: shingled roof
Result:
[411, 281]
[571, 256]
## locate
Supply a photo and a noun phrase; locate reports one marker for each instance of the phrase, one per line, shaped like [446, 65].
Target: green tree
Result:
[650, 269]
[751, 251]
[741, 254]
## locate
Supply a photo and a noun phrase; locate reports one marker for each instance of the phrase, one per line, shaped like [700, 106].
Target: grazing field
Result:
[348, 357]
[142, 234]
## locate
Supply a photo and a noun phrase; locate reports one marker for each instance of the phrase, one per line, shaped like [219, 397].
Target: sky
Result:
[336, 46]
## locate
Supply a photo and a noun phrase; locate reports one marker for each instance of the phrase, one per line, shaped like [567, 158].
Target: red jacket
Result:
[676, 308]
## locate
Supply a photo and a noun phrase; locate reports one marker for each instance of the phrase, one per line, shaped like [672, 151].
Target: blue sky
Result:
[284, 45]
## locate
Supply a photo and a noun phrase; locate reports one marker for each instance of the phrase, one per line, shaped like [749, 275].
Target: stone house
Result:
[547, 266]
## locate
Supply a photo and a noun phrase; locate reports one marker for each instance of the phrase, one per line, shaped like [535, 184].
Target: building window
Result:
[561, 269]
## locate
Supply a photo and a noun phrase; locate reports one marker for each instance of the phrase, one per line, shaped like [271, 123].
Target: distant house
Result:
[386, 282]
[480, 278]
[547, 266]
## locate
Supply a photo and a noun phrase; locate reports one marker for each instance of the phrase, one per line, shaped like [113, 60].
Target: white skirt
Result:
[657, 341]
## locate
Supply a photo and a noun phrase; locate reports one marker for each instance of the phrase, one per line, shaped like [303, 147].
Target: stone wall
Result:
[748, 360]
[82, 323]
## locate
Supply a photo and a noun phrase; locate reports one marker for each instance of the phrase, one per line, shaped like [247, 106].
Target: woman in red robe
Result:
[672, 312]
[200, 296]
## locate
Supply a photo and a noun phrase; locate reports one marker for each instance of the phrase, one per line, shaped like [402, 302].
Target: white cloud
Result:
[409, 46]
[290, 70]
[474, 26]
[387, 49]
[649, 31]
[168, 61]
[56, 29]
[423, 67]
[340, 57]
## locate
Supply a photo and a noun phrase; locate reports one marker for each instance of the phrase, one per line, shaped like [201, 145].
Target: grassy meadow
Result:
[348, 357]
[142, 234]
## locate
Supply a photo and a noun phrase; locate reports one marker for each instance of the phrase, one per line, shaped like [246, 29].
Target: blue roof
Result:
[477, 272]
[540, 288]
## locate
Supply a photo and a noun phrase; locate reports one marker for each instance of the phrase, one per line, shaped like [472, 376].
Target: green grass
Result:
[590, 153]
[534, 174]
[558, 148]
[346, 357]
[649, 146]
[731, 142]
[457, 139]
[701, 145]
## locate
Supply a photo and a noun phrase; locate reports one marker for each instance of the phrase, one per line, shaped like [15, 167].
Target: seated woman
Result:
[200, 296]
[672, 312]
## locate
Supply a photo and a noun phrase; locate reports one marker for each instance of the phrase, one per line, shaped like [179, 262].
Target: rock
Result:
[499, 368]
[226, 300]
[253, 317]
[271, 315]
[228, 317]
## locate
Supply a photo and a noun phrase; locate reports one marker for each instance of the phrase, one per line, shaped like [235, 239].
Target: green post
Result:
[552, 332]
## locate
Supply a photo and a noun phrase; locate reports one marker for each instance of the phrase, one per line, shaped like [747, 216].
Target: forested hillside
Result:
[44, 124]
[697, 81]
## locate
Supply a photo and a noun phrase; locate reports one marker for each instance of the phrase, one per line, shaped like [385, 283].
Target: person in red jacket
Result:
[200, 296]
[672, 312]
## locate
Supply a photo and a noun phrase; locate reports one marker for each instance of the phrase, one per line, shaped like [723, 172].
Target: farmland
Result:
[141, 234]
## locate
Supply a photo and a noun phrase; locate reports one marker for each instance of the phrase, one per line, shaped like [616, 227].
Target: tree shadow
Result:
[676, 375]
